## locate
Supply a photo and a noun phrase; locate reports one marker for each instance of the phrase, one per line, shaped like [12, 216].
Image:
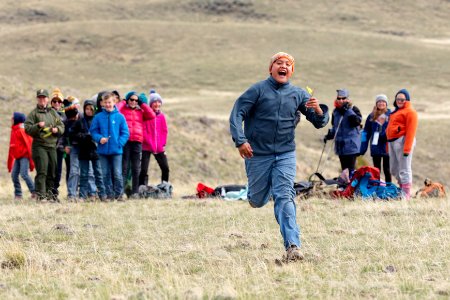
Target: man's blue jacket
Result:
[268, 111]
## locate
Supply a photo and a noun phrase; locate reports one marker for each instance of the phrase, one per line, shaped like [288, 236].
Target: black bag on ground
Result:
[161, 191]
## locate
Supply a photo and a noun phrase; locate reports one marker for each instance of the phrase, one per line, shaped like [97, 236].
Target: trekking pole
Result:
[328, 153]
[323, 150]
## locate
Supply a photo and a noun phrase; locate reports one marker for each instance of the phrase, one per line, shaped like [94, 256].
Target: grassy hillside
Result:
[201, 55]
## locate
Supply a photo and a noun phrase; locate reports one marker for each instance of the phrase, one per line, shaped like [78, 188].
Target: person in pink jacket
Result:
[155, 139]
[135, 113]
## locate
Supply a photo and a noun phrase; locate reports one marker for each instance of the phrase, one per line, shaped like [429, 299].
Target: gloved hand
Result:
[405, 154]
[139, 101]
[346, 106]
[328, 136]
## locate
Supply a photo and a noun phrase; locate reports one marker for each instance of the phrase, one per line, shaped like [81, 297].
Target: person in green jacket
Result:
[45, 126]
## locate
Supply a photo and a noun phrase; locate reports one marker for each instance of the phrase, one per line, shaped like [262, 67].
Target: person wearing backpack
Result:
[268, 110]
[346, 123]
[401, 135]
[374, 133]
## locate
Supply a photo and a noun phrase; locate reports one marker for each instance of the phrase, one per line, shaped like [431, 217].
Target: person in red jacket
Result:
[19, 156]
[401, 135]
[135, 113]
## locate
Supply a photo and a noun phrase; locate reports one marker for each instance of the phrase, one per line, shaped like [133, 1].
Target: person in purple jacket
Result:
[155, 139]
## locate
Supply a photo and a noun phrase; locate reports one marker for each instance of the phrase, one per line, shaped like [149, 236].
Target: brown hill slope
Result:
[202, 54]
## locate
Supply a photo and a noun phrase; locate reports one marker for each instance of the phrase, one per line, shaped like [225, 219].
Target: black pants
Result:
[348, 162]
[131, 157]
[161, 159]
[377, 164]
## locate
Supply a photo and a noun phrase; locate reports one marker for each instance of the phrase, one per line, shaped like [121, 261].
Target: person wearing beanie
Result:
[57, 104]
[109, 130]
[401, 135]
[19, 156]
[87, 155]
[143, 98]
[45, 126]
[346, 123]
[374, 133]
[266, 142]
[155, 139]
[136, 113]
[57, 95]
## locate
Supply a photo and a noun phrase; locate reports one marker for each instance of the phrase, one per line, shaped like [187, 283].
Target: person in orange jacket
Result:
[401, 135]
[19, 156]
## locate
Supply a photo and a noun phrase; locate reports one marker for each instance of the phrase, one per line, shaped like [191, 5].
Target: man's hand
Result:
[54, 130]
[103, 140]
[314, 104]
[245, 150]
[67, 149]
[41, 124]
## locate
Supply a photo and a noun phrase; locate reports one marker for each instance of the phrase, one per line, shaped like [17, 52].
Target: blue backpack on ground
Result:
[375, 189]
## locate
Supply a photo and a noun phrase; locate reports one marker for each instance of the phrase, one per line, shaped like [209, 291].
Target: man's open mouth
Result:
[282, 73]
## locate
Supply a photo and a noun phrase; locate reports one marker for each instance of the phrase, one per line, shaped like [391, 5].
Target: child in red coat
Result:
[19, 156]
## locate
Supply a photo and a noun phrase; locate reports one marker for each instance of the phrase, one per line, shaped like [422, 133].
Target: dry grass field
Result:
[201, 55]
[211, 249]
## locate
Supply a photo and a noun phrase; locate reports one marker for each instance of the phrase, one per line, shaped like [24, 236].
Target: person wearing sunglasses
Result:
[401, 135]
[346, 124]
[135, 113]
[57, 105]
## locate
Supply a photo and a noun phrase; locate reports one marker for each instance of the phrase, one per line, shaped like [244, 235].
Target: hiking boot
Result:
[18, 198]
[293, 253]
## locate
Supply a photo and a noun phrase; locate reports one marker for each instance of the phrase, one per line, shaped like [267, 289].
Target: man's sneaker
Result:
[293, 253]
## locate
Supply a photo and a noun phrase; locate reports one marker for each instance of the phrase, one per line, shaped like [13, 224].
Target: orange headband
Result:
[279, 55]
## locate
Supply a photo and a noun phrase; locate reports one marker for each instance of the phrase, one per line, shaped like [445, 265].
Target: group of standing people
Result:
[390, 134]
[110, 141]
[262, 126]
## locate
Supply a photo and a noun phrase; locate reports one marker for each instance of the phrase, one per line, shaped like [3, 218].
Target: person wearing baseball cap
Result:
[45, 126]
[266, 142]
[346, 121]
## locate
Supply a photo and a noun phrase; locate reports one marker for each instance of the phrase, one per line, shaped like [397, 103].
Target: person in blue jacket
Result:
[375, 133]
[268, 110]
[110, 130]
[346, 124]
